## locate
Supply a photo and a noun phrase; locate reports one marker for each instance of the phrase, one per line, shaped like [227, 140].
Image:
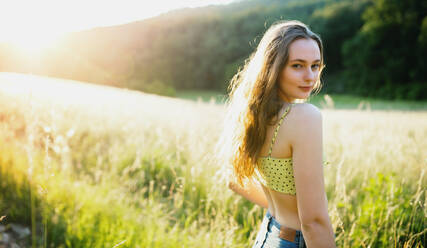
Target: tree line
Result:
[373, 48]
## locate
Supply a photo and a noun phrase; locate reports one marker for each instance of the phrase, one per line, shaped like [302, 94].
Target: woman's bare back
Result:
[282, 206]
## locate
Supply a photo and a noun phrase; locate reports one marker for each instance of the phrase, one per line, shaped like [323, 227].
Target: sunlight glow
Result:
[34, 26]
[33, 44]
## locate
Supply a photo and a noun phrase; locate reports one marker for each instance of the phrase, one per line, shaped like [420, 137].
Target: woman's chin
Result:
[303, 97]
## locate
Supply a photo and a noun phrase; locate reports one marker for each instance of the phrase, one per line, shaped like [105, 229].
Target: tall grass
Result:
[115, 168]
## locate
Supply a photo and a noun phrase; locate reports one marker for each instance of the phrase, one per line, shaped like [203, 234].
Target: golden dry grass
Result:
[109, 167]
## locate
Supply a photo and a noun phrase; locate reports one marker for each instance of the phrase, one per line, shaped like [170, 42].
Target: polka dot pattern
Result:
[277, 173]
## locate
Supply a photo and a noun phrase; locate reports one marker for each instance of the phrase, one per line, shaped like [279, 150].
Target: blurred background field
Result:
[94, 166]
[331, 101]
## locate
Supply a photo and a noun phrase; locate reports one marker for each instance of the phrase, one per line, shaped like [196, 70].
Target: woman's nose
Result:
[310, 75]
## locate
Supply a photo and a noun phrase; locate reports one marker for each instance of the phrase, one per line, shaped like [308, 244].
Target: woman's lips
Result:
[306, 88]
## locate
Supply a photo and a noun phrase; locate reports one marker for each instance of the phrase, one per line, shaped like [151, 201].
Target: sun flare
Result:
[32, 44]
[36, 27]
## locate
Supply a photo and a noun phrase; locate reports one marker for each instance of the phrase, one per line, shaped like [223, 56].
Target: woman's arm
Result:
[252, 191]
[307, 143]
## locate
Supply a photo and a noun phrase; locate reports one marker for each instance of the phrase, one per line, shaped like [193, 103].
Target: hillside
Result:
[369, 46]
[198, 48]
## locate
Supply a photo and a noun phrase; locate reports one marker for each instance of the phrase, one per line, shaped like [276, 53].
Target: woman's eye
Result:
[315, 66]
[297, 66]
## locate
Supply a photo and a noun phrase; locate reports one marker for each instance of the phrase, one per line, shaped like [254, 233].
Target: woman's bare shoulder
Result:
[302, 112]
[304, 118]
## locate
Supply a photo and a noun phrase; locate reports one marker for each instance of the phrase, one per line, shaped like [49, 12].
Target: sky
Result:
[37, 22]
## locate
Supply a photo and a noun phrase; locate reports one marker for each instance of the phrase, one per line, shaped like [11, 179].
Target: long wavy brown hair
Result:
[253, 101]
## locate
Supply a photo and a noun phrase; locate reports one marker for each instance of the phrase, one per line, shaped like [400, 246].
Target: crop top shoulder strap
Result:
[277, 128]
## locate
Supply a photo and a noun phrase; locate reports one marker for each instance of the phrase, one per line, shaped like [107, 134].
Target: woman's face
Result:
[301, 71]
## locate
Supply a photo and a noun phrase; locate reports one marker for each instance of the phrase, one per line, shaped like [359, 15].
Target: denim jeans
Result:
[271, 236]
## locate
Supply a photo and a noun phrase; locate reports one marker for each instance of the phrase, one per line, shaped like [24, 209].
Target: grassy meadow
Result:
[321, 101]
[92, 166]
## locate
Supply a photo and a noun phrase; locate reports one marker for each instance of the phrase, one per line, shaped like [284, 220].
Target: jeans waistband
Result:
[274, 222]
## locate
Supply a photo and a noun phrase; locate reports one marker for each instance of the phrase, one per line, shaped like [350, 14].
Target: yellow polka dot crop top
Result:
[276, 173]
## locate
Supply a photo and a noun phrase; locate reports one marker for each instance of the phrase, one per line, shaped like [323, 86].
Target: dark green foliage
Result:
[372, 47]
[387, 57]
[336, 23]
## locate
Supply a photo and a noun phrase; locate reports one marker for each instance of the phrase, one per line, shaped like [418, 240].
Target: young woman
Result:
[272, 141]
